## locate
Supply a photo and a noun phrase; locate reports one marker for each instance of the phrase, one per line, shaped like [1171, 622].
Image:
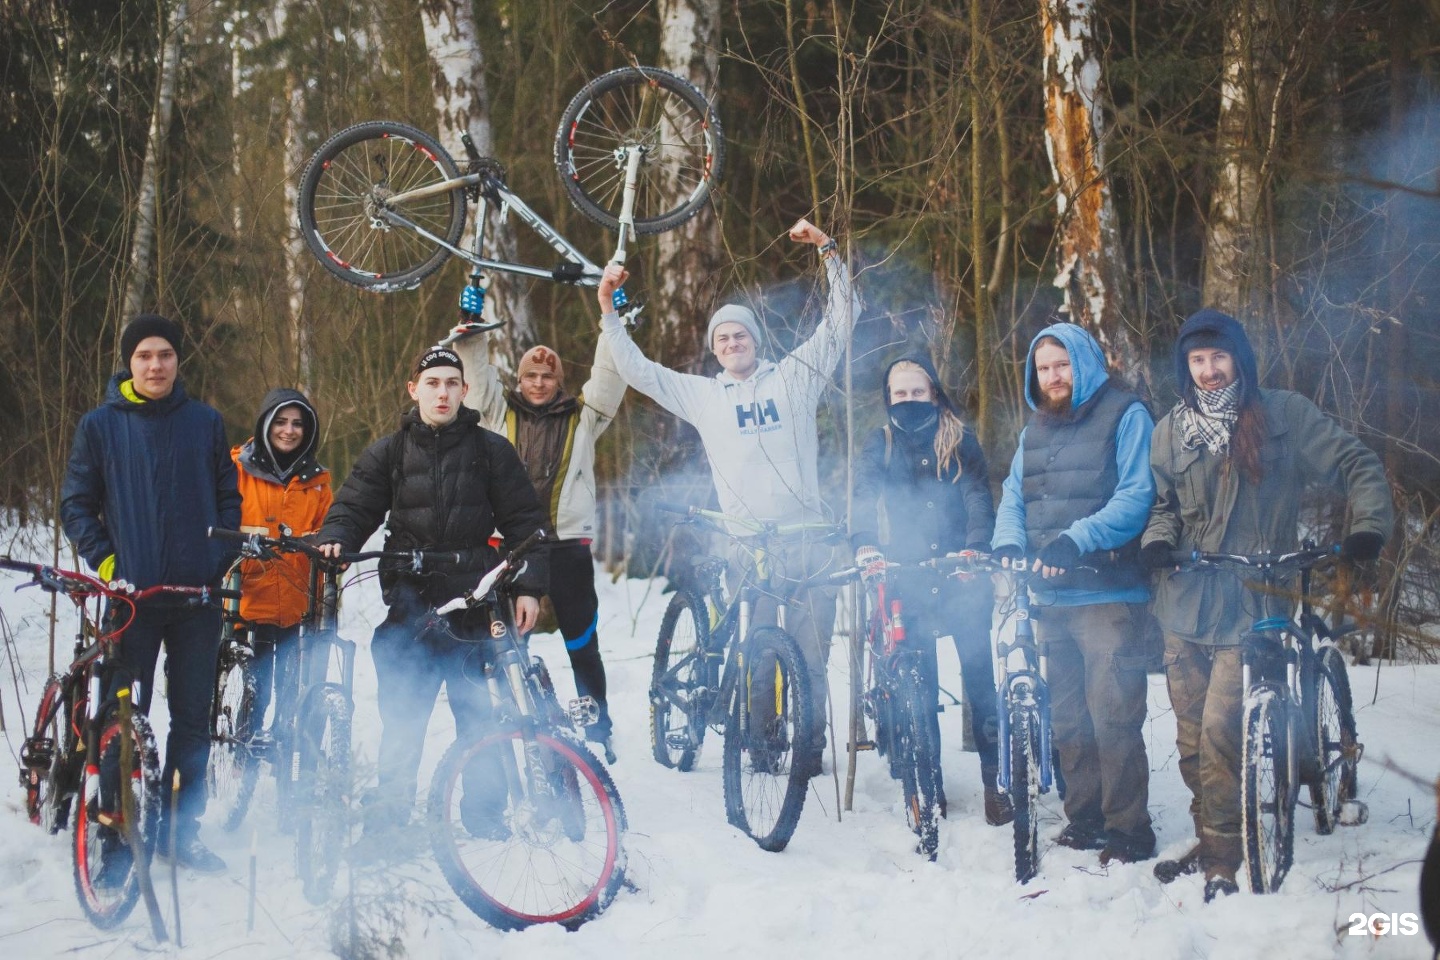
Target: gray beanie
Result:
[734, 313]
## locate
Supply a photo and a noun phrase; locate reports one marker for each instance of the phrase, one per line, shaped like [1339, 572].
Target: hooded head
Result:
[265, 453]
[1212, 329]
[1087, 364]
[901, 413]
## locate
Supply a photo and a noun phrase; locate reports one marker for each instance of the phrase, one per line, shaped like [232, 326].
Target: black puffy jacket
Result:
[445, 489]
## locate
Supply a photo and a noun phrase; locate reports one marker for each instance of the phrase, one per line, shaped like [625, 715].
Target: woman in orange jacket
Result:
[280, 483]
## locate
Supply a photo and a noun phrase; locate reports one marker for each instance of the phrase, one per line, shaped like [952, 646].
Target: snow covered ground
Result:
[846, 887]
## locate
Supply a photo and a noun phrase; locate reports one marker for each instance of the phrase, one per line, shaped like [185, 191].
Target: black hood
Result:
[942, 399]
[261, 460]
[1207, 327]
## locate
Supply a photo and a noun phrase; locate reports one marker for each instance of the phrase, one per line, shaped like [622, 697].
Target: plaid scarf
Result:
[1212, 419]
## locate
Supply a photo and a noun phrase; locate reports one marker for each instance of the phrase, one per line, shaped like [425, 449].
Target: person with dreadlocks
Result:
[923, 475]
[1230, 462]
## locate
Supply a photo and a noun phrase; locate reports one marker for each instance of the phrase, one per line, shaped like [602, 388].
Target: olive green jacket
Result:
[1203, 503]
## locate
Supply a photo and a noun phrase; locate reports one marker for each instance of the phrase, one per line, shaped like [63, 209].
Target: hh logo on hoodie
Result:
[756, 417]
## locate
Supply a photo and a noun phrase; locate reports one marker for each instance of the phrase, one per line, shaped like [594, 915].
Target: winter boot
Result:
[999, 808]
[1220, 882]
[1186, 864]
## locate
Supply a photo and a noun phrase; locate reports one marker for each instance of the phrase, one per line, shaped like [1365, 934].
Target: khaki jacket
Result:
[1202, 503]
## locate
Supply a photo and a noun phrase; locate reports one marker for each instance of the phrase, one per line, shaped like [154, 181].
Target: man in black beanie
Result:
[149, 471]
[1231, 462]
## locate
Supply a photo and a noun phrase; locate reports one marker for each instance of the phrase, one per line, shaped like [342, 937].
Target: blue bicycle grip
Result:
[472, 300]
[618, 299]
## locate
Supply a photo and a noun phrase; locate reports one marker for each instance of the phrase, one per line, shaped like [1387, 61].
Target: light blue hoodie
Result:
[1124, 516]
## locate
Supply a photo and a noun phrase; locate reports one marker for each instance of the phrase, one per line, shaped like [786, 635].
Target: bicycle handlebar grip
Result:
[525, 545]
[222, 594]
[219, 533]
[668, 507]
[1179, 557]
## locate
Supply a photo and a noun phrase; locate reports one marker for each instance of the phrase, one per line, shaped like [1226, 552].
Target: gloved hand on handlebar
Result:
[1157, 555]
[1007, 554]
[1060, 554]
[871, 563]
[1361, 546]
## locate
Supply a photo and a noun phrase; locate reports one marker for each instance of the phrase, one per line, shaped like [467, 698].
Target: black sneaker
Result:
[1220, 883]
[190, 854]
[115, 863]
[1081, 835]
[1188, 863]
[1124, 848]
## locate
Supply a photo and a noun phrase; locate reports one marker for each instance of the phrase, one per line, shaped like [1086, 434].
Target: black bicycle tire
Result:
[683, 760]
[323, 812]
[1327, 800]
[736, 751]
[108, 916]
[580, 761]
[922, 778]
[414, 268]
[230, 737]
[672, 215]
[1266, 862]
[1025, 790]
[39, 783]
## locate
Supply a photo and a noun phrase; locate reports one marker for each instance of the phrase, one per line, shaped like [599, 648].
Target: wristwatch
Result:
[829, 246]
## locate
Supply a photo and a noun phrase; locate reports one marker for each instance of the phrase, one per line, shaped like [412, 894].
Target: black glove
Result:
[1157, 555]
[1060, 553]
[979, 546]
[1007, 554]
[1361, 545]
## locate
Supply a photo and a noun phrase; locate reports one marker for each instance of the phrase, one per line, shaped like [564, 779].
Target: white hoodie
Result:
[759, 433]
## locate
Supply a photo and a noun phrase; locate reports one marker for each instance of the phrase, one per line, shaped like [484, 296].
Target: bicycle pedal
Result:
[1354, 813]
[584, 711]
[865, 745]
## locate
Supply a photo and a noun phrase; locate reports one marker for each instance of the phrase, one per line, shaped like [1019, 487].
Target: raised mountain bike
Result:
[90, 752]
[382, 205]
[524, 821]
[1298, 727]
[714, 669]
[309, 744]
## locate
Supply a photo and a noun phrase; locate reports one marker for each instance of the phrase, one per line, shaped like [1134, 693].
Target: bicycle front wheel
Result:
[354, 214]
[664, 117]
[920, 754]
[323, 793]
[527, 832]
[42, 752]
[677, 682]
[233, 768]
[1336, 741]
[104, 864]
[1025, 790]
[769, 756]
[1266, 793]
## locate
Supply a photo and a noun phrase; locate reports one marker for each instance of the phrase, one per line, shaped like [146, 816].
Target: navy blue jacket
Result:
[144, 482]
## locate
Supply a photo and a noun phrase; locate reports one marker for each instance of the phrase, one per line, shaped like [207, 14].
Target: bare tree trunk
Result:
[689, 273]
[142, 245]
[1091, 263]
[1235, 274]
[462, 103]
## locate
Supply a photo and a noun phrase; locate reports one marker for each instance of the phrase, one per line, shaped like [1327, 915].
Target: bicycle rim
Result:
[42, 754]
[1025, 792]
[233, 768]
[1267, 798]
[323, 825]
[345, 199]
[677, 717]
[108, 895]
[518, 857]
[767, 752]
[1335, 741]
[663, 115]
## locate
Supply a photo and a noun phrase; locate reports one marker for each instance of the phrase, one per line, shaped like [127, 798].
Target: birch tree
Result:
[1090, 263]
[462, 104]
[142, 244]
[689, 257]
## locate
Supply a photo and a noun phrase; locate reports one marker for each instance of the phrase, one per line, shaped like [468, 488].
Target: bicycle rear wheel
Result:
[323, 794]
[518, 856]
[673, 125]
[347, 214]
[1266, 794]
[1025, 790]
[677, 708]
[104, 865]
[1336, 741]
[920, 773]
[234, 768]
[768, 755]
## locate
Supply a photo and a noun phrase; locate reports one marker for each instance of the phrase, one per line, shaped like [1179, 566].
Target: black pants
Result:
[410, 670]
[277, 657]
[572, 593]
[191, 639]
[933, 607]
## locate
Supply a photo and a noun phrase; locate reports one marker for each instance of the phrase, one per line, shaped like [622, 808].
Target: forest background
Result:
[986, 165]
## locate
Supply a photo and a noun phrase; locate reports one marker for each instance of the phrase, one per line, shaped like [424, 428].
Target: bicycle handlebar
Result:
[497, 578]
[54, 580]
[758, 529]
[260, 547]
[1295, 560]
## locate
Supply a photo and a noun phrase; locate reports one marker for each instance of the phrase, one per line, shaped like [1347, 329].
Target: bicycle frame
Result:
[1024, 686]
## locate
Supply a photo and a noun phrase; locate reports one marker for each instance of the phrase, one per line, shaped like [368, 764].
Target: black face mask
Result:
[915, 416]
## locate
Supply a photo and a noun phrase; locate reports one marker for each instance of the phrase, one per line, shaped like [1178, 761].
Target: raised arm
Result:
[819, 354]
[677, 392]
[605, 389]
[486, 395]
